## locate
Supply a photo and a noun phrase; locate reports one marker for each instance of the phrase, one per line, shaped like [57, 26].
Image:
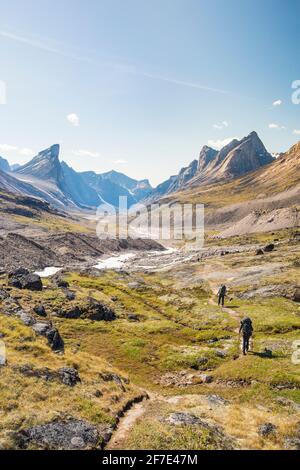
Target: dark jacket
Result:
[246, 327]
[222, 291]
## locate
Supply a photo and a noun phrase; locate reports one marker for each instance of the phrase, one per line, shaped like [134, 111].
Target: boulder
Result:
[66, 375]
[69, 376]
[55, 341]
[27, 319]
[220, 353]
[267, 429]
[283, 401]
[216, 400]
[259, 252]
[268, 248]
[91, 309]
[71, 434]
[110, 377]
[60, 282]
[40, 310]
[22, 279]
[205, 378]
[181, 419]
[18, 272]
[41, 328]
[201, 363]
[216, 434]
[70, 295]
[31, 282]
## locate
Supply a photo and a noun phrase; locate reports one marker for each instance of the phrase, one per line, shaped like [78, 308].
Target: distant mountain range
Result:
[57, 183]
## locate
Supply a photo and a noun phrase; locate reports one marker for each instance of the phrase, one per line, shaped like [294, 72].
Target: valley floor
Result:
[168, 372]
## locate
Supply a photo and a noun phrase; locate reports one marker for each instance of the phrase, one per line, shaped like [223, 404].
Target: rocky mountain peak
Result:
[45, 165]
[207, 155]
[244, 156]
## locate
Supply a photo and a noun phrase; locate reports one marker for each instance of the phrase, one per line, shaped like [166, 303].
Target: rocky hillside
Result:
[8, 183]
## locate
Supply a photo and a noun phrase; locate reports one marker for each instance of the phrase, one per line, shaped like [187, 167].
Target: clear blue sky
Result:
[146, 82]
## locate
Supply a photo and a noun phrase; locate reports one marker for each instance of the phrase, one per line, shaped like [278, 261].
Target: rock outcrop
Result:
[221, 440]
[90, 309]
[23, 279]
[71, 434]
[66, 375]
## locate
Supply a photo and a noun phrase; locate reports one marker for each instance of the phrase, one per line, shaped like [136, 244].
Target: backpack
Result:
[222, 290]
[246, 326]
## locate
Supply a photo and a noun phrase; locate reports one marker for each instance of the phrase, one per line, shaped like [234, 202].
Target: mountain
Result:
[15, 186]
[46, 175]
[126, 182]
[4, 165]
[265, 199]
[237, 158]
[108, 191]
[74, 186]
[234, 160]
[207, 155]
[175, 182]
[111, 185]
[44, 166]
[58, 183]
[57, 180]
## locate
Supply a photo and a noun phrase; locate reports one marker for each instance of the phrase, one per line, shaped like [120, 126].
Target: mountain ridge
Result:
[56, 182]
[235, 159]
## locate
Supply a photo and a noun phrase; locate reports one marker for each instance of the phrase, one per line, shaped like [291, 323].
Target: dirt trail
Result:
[126, 424]
[128, 421]
[233, 313]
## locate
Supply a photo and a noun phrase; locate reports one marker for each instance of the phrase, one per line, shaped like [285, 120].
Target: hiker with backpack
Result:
[246, 329]
[221, 295]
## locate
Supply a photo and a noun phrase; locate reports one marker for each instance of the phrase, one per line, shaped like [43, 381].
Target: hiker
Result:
[246, 329]
[221, 295]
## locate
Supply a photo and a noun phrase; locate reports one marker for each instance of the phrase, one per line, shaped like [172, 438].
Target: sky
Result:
[140, 86]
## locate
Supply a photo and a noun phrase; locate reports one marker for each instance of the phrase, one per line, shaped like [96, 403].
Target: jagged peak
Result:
[45, 165]
[50, 152]
[207, 155]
